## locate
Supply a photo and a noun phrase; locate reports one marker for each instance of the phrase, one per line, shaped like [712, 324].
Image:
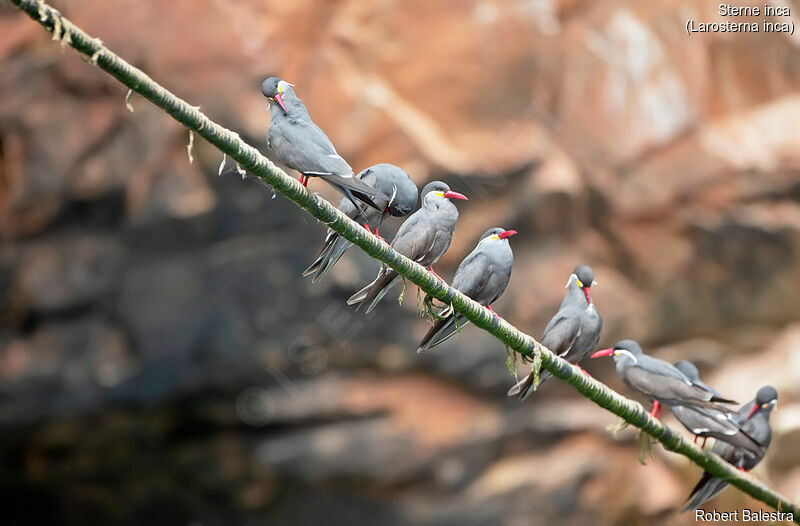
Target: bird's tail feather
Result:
[382, 292]
[361, 295]
[375, 291]
[442, 331]
[329, 240]
[428, 341]
[335, 246]
[713, 405]
[749, 443]
[706, 489]
[524, 387]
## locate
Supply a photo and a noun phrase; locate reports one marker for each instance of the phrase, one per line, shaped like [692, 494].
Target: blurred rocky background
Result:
[163, 362]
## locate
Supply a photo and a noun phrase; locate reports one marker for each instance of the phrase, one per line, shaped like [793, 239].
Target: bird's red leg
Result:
[656, 411]
[695, 439]
[704, 442]
[366, 225]
[303, 180]
[430, 269]
[490, 309]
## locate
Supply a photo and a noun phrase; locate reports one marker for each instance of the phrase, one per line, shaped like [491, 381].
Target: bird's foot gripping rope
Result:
[430, 269]
[746, 472]
[366, 226]
[656, 411]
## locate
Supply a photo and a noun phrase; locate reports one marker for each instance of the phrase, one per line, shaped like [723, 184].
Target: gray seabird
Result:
[658, 380]
[573, 332]
[390, 180]
[424, 237]
[710, 422]
[690, 370]
[753, 418]
[301, 145]
[483, 276]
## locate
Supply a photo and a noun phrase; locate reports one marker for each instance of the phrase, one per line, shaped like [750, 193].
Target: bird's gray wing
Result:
[413, 240]
[707, 388]
[472, 274]
[698, 391]
[499, 282]
[416, 237]
[705, 421]
[561, 333]
[663, 387]
[559, 336]
[740, 416]
[303, 146]
[709, 486]
[442, 331]
[348, 208]
[335, 245]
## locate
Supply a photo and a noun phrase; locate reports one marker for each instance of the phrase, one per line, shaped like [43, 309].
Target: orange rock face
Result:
[141, 295]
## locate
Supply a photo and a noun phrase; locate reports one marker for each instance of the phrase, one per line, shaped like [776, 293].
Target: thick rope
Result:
[251, 159]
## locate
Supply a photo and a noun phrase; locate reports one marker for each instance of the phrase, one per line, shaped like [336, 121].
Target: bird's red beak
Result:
[454, 195]
[279, 98]
[588, 296]
[604, 352]
[753, 411]
[507, 234]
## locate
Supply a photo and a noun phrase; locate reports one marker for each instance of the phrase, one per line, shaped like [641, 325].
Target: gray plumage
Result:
[573, 332]
[483, 276]
[710, 422]
[298, 143]
[753, 419]
[691, 372]
[659, 380]
[424, 237]
[390, 180]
